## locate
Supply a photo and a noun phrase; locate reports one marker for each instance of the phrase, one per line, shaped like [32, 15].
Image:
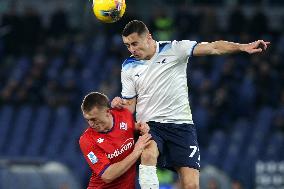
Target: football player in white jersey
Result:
[154, 84]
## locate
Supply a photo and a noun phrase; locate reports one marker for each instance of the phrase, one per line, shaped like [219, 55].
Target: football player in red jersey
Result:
[108, 143]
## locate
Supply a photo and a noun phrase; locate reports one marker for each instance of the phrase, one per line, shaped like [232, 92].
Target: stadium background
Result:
[54, 52]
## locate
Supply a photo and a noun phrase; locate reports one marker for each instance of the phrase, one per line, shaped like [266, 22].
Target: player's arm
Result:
[117, 169]
[118, 102]
[226, 47]
[142, 127]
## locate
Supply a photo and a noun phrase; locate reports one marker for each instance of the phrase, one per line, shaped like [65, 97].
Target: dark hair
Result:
[94, 99]
[134, 26]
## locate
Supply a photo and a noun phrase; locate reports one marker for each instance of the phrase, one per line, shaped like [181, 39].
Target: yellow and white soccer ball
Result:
[109, 11]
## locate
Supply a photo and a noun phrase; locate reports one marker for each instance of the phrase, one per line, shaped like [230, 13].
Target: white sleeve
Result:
[184, 48]
[128, 88]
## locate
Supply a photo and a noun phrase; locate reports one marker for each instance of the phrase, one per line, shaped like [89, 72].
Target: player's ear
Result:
[148, 38]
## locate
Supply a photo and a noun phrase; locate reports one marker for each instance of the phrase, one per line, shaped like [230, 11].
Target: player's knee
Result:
[189, 177]
[150, 155]
[190, 183]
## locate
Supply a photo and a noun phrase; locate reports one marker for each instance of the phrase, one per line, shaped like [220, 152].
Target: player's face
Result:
[99, 119]
[139, 45]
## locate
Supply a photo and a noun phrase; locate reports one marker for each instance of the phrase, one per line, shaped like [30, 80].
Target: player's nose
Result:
[132, 49]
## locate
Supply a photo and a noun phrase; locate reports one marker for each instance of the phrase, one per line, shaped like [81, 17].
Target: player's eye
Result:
[91, 120]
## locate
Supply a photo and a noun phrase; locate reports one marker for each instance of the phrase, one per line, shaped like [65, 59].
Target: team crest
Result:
[123, 126]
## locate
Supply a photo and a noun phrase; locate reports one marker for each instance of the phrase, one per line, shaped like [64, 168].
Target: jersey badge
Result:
[92, 157]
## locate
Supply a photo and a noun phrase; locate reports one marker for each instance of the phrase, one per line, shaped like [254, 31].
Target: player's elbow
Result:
[107, 178]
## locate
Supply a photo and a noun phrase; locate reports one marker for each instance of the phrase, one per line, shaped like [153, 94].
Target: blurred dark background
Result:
[52, 53]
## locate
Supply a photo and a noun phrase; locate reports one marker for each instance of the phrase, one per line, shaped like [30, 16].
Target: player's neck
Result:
[152, 50]
[111, 122]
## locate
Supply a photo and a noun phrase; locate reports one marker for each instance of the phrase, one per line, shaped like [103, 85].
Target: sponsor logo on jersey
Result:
[123, 126]
[127, 145]
[92, 157]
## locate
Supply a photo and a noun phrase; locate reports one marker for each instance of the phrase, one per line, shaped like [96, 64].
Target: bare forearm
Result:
[129, 104]
[226, 47]
[130, 107]
[119, 102]
[117, 169]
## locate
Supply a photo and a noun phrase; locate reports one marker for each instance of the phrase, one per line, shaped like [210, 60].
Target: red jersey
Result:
[103, 149]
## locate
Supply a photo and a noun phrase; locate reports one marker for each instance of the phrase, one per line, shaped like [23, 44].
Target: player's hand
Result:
[117, 102]
[143, 128]
[142, 142]
[255, 47]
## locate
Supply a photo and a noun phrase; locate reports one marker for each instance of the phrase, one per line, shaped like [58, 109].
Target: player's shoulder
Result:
[122, 114]
[86, 136]
[183, 42]
[120, 111]
[167, 46]
[164, 45]
[164, 42]
[130, 62]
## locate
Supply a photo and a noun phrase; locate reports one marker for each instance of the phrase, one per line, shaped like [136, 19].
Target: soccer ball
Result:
[109, 11]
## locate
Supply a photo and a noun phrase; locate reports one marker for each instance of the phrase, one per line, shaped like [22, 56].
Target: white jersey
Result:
[160, 84]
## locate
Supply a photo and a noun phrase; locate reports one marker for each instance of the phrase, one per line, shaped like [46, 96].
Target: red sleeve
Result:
[94, 155]
[126, 116]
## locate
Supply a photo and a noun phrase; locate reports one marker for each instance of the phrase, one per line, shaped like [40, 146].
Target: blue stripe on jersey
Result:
[131, 61]
[102, 171]
[127, 97]
[164, 46]
[191, 52]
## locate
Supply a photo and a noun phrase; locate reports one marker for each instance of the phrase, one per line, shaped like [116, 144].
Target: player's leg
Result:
[184, 154]
[189, 177]
[148, 178]
[150, 154]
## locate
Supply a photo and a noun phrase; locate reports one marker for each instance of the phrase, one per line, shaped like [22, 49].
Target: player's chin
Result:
[136, 56]
[139, 57]
[97, 128]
